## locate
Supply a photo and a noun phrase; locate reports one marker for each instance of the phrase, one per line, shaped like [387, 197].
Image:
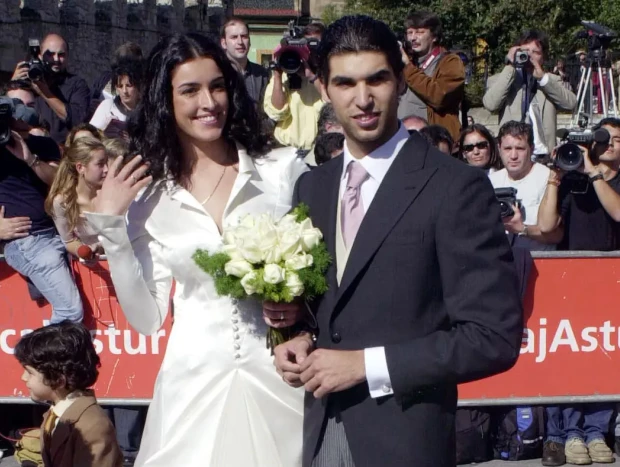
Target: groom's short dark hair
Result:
[359, 33]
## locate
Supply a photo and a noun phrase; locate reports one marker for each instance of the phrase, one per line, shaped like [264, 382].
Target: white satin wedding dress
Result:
[218, 400]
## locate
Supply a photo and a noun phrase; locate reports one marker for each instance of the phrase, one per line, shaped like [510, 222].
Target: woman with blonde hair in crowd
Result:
[80, 174]
[83, 130]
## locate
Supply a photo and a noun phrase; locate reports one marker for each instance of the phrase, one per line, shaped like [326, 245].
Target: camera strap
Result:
[431, 57]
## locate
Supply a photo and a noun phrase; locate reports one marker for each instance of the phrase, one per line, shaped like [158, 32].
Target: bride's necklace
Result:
[216, 185]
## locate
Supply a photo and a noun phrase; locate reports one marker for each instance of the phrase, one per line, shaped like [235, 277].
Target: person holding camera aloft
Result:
[587, 212]
[524, 92]
[516, 143]
[63, 98]
[293, 100]
[435, 78]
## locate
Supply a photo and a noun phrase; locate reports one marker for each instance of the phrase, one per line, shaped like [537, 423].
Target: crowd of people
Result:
[198, 133]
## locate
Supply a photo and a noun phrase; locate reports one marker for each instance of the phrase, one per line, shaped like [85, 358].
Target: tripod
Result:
[596, 63]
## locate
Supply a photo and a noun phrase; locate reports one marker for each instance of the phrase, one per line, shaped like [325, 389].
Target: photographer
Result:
[31, 244]
[516, 143]
[435, 78]
[62, 98]
[295, 108]
[589, 220]
[525, 92]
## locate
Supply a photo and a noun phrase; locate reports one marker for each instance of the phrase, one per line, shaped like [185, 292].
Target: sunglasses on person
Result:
[480, 145]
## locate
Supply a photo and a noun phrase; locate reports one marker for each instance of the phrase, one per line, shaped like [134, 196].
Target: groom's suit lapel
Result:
[402, 184]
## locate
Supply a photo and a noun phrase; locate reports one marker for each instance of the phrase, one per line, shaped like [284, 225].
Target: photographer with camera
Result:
[590, 220]
[529, 179]
[62, 98]
[31, 244]
[293, 95]
[435, 78]
[524, 92]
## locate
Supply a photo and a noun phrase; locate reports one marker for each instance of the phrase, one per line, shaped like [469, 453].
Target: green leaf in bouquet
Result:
[213, 264]
[313, 277]
[301, 212]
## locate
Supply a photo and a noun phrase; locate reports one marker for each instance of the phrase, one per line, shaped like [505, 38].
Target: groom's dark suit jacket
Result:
[431, 278]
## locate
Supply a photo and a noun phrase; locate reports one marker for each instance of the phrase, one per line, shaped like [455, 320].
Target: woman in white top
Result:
[218, 400]
[81, 172]
[111, 115]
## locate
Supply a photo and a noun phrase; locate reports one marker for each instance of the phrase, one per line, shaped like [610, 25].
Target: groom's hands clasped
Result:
[326, 371]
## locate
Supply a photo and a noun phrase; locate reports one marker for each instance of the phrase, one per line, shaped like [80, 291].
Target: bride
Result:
[218, 400]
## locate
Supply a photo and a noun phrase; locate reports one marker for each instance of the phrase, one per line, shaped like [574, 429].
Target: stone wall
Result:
[95, 28]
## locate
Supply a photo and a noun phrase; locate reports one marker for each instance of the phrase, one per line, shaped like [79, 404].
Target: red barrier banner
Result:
[571, 340]
[129, 360]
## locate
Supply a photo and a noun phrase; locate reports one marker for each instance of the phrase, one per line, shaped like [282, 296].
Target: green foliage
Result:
[301, 212]
[474, 91]
[498, 22]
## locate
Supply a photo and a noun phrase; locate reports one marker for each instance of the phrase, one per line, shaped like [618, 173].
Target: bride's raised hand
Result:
[121, 186]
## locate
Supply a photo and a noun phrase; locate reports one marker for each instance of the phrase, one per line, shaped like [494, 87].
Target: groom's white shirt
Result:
[377, 164]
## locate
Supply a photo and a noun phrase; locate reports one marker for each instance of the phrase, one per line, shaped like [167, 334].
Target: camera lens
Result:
[35, 72]
[505, 209]
[289, 61]
[569, 157]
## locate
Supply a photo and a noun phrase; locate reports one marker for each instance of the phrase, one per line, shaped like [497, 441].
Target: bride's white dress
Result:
[218, 400]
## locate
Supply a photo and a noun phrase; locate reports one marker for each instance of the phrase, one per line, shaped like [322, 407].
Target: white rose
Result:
[248, 282]
[294, 284]
[290, 243]
[310, 238]
[273, 274]
[247, 221]
[228, 237]
[233, 252]
[238, 268]
[286, 223]
[297, 262]
[250, 250]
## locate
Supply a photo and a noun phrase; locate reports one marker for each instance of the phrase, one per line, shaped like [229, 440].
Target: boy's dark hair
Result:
[359, 33]
[230, 21]
[314, 28]
[63, 353]
[436, 134]
[426, 20]
[533, 35]
[609, 121]
[17, 85]
[517, 130]
[326, 144]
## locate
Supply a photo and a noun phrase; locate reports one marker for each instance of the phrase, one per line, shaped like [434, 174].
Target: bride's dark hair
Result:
[153, 128]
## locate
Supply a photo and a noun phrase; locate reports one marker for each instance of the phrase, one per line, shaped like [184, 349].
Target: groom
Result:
[423, 292]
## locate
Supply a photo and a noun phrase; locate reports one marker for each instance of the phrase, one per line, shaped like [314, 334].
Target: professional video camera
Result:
[37, 69]
[14, 109]
[507, 198]
[295, 50]
[569, 156]
[599, 37]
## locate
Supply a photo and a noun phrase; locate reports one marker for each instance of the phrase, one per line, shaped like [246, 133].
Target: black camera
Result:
[37, 69]
[507, 198]
[599, 37]
[521, 58]
[295, 50]
[569, 156]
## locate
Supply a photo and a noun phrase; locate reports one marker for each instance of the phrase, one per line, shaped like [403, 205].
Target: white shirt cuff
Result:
[377, 373]
[544, 80]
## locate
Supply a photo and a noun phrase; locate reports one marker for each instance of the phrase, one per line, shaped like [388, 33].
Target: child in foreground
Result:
[60, 365]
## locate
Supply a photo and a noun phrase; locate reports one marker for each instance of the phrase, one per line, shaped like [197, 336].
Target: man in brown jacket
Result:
[435, 78]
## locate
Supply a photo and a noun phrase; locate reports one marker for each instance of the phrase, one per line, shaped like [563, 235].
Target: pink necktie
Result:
[352, 208]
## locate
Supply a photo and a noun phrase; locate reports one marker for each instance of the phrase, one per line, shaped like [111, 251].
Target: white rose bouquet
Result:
[270, 260]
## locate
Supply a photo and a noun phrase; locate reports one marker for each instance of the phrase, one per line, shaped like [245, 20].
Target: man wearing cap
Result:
[31, 244]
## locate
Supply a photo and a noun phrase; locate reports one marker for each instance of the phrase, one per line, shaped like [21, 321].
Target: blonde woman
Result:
[82, 170]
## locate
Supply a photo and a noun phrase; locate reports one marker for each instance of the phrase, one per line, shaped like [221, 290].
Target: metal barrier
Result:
[570, 346]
